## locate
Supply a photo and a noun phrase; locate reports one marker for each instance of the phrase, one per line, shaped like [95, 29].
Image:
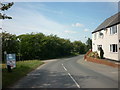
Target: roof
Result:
[113, 20]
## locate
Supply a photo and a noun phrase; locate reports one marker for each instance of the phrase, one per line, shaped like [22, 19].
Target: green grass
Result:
[22, 68]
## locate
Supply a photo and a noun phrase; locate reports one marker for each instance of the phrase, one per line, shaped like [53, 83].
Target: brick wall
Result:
[101, 61]
[87, 54]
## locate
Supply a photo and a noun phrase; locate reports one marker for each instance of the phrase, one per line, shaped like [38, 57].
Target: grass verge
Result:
[22, 68]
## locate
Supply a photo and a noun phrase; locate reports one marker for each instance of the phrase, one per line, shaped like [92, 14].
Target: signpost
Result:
[11, 60]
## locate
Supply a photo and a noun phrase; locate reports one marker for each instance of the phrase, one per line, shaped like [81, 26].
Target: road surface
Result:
[71, 72]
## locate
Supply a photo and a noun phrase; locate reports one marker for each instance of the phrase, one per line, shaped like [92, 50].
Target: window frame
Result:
[114, 48]
[101, 34]
[113, 30]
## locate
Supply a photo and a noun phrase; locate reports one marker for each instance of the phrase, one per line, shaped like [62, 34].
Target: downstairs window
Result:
[113, 48]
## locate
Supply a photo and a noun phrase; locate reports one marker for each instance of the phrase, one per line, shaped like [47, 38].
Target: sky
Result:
[69, 20]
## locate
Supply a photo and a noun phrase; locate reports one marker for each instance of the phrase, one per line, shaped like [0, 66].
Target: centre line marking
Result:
[71, 77]
[74, 81]
[64, 67]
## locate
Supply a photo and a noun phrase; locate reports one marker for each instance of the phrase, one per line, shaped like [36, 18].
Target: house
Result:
[107, 36]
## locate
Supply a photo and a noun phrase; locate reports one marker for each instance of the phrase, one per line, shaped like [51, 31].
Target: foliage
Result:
[23, 67]
[89, 44]
[79, 47]
[9, 43]
[94, 55]
[4, 7]
[39, 46]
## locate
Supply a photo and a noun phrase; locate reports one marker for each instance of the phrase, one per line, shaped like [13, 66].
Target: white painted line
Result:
[64, 67]
[71, 77]
[74, 81]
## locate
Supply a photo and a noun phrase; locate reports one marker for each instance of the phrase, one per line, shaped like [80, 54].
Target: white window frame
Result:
[113, 30]
[112, 46]
[100, 32]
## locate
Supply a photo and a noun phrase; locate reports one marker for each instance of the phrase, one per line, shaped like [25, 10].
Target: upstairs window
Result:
[113, 48]
[100, 34]
[113, 30]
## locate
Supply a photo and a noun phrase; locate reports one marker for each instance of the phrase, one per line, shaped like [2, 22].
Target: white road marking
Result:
[74, 80]
[71, 77]
[64, 67]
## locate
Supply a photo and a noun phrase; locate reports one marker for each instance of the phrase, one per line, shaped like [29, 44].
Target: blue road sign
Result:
[11, 60]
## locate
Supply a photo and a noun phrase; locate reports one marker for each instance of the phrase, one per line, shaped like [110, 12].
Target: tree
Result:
[4, 7]
[89, 44]
[79, 47]
[38, 46]
[9, 43]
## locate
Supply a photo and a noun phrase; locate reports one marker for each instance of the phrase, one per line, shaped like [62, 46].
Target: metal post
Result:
[19, 51]
[19, 48]
[5, 55]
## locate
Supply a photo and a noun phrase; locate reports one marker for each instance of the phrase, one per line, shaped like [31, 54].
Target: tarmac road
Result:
[71, 72]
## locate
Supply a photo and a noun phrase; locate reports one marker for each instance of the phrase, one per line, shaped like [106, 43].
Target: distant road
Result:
[71, 72]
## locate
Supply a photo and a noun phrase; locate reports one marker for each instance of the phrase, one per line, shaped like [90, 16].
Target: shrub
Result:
[94, 55]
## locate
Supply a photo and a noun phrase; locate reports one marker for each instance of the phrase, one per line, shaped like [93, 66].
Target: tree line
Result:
[39, 46]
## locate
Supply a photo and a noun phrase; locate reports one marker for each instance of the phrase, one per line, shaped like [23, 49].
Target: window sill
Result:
[113, 34]
[114, 52]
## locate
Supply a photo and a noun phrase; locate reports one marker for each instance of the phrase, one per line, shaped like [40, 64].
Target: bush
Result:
[94, 55]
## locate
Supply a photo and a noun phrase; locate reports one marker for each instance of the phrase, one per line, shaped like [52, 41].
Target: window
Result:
[113, 29]
[113, 48]
[98, 46]
[100, 34]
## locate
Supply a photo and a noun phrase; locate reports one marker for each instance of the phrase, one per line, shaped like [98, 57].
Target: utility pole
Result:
[19, 48]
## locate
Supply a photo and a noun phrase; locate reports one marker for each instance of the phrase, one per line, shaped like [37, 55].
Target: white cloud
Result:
[43, 7]
[33, 21]
[86, 30]
[30, 21]
[77, 25]
[26, 20]
[69, 31]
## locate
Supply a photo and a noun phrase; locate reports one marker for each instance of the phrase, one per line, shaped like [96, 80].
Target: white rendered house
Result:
[107, 36]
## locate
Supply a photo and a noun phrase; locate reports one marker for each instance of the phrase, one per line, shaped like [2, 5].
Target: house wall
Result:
[119, 41]
[105, 41]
